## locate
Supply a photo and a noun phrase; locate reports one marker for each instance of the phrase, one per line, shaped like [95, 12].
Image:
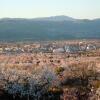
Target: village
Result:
[49, 47]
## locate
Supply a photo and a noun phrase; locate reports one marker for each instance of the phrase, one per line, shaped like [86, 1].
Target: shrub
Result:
[59, 70]
[55, 90]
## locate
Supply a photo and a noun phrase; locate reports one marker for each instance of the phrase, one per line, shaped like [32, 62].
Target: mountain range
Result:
[48, 28]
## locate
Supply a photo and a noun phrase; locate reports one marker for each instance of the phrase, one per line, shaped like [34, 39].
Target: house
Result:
[90, 47]
[71, 48]
[58, 50]
[1, 50]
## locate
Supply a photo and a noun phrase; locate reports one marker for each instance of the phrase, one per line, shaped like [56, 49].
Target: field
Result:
[51, 70]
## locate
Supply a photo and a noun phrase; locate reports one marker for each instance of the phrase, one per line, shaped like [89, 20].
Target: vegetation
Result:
[24, 29]
[59, 70]
[46, 82]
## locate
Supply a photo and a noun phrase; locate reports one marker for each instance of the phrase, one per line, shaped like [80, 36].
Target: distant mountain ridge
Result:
[51, 18]
[48, 28]
[56, 18]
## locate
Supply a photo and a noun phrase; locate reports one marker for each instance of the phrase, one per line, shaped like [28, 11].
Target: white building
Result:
[59, 50]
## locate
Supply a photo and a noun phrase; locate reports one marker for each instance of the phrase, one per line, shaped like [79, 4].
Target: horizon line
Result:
[48, 17]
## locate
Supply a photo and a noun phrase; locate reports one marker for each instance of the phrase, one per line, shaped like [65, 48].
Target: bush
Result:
[55, 90]
[59, 70]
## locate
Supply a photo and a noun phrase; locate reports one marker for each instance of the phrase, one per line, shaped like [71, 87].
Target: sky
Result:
[81, 9]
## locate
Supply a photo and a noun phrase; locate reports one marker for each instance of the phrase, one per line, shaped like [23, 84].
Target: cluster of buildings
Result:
[68, 48]
[47, 48]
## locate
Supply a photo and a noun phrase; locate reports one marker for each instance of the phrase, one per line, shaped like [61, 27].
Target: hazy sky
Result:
[42, 8]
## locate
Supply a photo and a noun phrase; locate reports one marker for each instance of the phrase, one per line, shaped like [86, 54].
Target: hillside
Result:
[48, 28]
